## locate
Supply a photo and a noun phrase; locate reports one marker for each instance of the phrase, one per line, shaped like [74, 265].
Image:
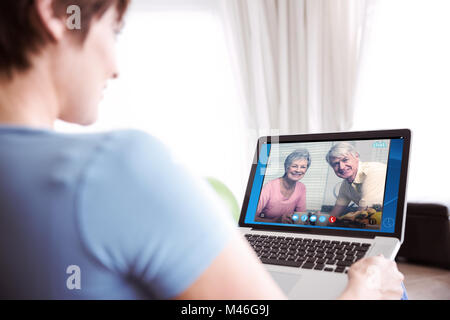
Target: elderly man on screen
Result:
[363, 181]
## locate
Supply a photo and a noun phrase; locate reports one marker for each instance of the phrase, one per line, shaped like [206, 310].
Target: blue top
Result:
[134, 223]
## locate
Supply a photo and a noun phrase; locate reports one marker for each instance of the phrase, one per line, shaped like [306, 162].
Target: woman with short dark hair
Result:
[108, 215]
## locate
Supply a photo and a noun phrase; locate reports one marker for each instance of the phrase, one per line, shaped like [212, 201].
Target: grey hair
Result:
[296, 155]
[341, 149]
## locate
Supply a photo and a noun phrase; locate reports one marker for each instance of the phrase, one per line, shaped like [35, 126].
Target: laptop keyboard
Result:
[316, 254]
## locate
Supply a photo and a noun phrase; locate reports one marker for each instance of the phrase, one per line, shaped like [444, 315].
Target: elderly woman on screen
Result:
[283, 196]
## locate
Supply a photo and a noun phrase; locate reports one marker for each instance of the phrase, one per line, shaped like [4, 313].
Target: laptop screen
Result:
[351, 185]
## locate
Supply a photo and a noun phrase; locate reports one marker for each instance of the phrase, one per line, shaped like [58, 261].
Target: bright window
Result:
[405, 82]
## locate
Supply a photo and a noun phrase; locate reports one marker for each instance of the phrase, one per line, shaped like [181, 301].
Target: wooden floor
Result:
[425, 283]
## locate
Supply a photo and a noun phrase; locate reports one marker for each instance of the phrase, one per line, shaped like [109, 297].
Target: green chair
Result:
[227, 197]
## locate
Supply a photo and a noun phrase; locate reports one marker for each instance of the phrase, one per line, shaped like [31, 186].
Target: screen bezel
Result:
[404, 134]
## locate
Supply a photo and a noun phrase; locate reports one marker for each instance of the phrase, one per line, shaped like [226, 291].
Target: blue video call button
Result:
[313, 218]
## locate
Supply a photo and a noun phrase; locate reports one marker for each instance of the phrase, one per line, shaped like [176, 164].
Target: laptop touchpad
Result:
[286, 281]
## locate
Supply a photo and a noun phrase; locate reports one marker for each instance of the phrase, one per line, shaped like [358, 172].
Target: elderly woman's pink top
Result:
[273, 204]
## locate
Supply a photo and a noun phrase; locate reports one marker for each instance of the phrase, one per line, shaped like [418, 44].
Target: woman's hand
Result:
[287, 218]
[374, 278]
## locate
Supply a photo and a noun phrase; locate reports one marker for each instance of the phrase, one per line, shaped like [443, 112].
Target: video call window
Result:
[329, 184]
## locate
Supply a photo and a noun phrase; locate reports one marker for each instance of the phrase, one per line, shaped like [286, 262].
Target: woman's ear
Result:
[54, 25]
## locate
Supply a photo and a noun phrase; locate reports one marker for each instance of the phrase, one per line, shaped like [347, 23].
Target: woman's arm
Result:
[236, 273]
[224, 279]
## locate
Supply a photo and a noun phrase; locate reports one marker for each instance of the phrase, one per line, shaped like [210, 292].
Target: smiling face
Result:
[297, 170]
[345, 167]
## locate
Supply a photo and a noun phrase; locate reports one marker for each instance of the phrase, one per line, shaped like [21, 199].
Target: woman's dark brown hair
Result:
[21, 31]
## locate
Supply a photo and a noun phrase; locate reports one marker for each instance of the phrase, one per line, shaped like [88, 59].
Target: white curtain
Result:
[297, 61]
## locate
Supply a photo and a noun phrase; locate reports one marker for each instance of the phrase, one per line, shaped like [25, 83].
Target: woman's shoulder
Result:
[273, 183]
[133, 136]
[137, 149]
[130, 141]
[271, 187]
[118, 135]
[300, 186]
[120, 141]
[120, 152]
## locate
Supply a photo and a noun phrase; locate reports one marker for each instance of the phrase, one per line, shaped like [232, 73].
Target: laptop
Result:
[317, 203]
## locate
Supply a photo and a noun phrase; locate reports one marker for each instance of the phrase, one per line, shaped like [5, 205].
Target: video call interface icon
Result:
[312, 218]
